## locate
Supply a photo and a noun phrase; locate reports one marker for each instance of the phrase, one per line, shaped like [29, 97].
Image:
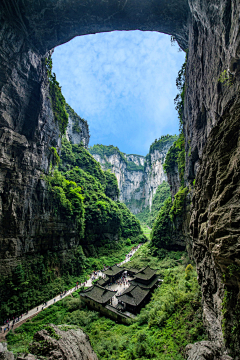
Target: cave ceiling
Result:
[46, 23]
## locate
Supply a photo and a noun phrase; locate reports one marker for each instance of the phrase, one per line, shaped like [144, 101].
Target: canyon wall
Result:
[138, 176]
[77, 128]
[209, 30]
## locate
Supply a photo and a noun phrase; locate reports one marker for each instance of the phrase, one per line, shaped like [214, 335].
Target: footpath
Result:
[33, 312]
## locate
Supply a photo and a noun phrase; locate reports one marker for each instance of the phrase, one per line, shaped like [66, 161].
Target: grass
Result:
[146, 231]
[170, 321]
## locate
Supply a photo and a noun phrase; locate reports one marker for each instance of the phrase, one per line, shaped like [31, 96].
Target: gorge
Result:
[208, 30]
[138, 176]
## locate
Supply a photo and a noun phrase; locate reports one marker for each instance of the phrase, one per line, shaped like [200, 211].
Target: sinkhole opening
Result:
[124, 84]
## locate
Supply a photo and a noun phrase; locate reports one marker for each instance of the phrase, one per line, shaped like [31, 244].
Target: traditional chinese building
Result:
[145, 278]
[97, 296]
[114, 272]
[103, 282]
[134, 298]
[139, 292]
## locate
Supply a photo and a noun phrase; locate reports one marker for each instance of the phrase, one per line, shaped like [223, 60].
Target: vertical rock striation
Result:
[138, 176]
[77, 129]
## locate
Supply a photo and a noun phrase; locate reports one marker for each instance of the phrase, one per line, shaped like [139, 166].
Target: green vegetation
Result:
[112, 190]
[160, 144]
[162, 227]
[148, 217]
[226, 78]
[76, 120]
[56, 157]
[161, 331]
[131, 166]
[82, 195]
[57, 99]
[178, 203]
[102, 214]
[162, 193]
[77, 155]
[176, 158]
[42, 277]
[103, 150]
[143, 215]
[176, 154]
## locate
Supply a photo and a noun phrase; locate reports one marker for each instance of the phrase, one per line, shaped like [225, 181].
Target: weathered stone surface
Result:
[137, 188]
[212, 131]
[58, 344]
[174, 181]
[205, 350]
[77, 129]
[50, 24]
[4, 353]
[28, 131]
[26, 357]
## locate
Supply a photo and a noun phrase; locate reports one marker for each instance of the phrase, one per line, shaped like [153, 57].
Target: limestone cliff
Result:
[77, 129]
[209, 29]
[138, 176]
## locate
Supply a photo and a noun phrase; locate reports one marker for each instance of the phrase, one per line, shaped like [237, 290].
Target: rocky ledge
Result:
[55, 342]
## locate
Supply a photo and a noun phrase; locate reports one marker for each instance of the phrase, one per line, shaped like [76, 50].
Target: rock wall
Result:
[55, 342]
[62, 344]
[212, 132]
[28, 131]
[77, 129]
[137, 187]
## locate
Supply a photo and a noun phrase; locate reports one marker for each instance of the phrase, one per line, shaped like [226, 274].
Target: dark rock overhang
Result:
[46, 25]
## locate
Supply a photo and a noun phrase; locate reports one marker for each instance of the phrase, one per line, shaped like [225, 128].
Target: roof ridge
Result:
[144, 268]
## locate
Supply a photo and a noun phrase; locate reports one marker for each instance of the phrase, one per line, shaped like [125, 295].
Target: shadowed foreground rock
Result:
[205, 350]
[4, 354]
[53, 343]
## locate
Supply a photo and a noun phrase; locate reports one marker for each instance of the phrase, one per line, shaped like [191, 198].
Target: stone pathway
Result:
[31, 313]
[120, 289]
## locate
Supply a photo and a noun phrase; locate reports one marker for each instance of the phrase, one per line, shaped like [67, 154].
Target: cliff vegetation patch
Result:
[57, 98]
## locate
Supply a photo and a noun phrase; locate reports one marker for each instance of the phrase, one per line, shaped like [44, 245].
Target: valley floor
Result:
[33, 312]
[161, 331]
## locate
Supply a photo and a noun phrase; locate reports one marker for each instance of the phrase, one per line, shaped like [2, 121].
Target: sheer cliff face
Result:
[77, 129]
[210, 31]
[212, 129]
[27, 133]
[137, 188]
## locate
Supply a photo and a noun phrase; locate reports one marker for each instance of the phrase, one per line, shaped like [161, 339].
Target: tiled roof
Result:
[113, 270]
[102, 282]
[98, 294]
[145, 286]
[133, 270]
[134, 295]
[145, 274]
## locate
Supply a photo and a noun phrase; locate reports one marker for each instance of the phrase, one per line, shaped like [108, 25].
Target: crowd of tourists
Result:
[9, 323]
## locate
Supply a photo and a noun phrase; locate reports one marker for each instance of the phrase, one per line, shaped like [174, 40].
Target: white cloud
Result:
[123, 83]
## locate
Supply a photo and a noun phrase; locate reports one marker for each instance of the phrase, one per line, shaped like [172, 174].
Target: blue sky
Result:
[123, 84]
